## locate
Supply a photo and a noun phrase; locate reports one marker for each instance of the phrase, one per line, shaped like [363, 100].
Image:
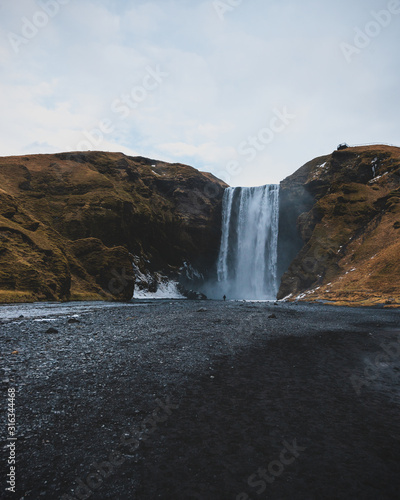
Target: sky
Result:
[249, 90]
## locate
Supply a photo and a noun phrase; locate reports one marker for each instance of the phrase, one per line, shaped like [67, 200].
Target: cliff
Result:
[84, 225]
[340, 226]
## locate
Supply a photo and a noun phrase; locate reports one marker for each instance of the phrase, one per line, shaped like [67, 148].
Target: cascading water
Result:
[247, 262]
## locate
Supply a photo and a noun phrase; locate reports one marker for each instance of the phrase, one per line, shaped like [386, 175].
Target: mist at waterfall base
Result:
[247, 266]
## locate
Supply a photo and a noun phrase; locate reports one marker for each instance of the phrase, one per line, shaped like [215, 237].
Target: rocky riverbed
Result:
[210, 400]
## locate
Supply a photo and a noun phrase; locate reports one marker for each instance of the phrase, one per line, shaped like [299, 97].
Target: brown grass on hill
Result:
[353, 252]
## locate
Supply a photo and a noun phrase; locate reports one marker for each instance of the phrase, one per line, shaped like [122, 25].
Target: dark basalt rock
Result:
[51, 330]
[192, 294]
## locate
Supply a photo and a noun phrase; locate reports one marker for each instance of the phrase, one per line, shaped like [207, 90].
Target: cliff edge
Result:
[341, 213]
[85, 225]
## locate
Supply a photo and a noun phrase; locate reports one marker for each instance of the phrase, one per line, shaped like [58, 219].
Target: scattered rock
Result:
[15, 352]
[51, 330]
[192, 295]
[272, 316]
[202, 310]
[73, 321]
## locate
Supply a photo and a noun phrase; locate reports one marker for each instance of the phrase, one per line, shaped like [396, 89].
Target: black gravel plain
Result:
[202, 400]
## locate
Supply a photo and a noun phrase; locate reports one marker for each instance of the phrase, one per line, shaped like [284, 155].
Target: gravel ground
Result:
[202, 400]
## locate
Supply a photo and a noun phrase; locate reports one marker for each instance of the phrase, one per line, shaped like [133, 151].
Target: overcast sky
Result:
[249, 90]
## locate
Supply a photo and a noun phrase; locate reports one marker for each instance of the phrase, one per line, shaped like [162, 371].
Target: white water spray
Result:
[247, 262]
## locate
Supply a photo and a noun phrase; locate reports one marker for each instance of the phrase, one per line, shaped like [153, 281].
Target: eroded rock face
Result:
[347, 210]
[295, 201]
[72, 223]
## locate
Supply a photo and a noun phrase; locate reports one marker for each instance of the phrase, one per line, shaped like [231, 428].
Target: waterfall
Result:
[247, 262]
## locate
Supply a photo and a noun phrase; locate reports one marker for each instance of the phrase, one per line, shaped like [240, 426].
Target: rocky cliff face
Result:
[84, 225]
[92, 225]
[342, 214]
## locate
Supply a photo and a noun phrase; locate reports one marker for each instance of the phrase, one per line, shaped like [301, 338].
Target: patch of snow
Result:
[374, 166]
[254, 301]
[191, 272]
[165, 290]
[323, 165]
[44, 320]
[139, 276]
[144, 280]
[377, 178]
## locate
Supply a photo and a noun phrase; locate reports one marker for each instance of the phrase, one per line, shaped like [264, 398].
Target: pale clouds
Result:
[222, 81]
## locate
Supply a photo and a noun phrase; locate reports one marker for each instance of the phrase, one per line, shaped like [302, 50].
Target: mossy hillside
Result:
[351, 246]
[116, 206]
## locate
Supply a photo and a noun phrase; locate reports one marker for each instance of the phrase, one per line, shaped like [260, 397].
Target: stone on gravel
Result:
[51, 330]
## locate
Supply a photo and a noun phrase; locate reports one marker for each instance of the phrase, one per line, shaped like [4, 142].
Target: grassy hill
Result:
[72, 225]
[351, 231]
